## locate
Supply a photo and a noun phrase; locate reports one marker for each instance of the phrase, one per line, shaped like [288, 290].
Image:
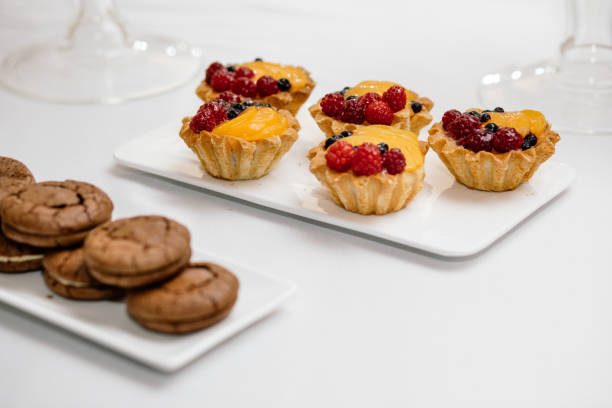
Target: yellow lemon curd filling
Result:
[525, 121]
[379, 87]
[295, 75]
[401, 139]
[254, 123]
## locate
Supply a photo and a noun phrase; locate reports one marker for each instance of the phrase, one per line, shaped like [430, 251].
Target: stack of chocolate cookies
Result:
[65, 227]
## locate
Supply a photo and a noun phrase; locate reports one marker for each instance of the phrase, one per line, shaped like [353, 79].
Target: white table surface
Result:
[526, 323]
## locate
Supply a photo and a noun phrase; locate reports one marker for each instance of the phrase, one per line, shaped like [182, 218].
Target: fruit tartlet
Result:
[493, 150]
[371, 170]
[282, 86]
[239, 141]
[371, 103]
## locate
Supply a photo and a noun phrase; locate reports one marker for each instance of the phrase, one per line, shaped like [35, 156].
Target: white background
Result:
[526, 323]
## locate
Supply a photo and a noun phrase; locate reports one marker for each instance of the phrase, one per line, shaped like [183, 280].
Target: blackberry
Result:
[351, 97]
[231, 68]
[416, 106]
[529, 141]
[485, 117]
[383, 147]
[331, 140]
[343, 91]
[239, 107]
[284, 84]
[498, 109]
[491, 127]
[232, 113]
[346, 133]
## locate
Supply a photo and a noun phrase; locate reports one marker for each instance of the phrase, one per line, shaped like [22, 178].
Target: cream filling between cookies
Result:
[22, 258]
[67, 282]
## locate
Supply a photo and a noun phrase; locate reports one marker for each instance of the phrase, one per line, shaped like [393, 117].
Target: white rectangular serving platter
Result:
[108, 324]
[445, 217]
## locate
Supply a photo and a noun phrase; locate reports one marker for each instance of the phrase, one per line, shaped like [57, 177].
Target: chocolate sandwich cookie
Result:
[13, 176]
[66, 274]
[201, 295]
[16, 257]
[54, 213]
[138, 251]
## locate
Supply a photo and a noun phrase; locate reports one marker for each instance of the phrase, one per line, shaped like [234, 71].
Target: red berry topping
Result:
[506, 139]
[449, 116]
[379, 113]
[202, 121]
[394, 161]
[395, 97]
[369, 98]
[332, 104]
[339, 156]
[354, 112]
[367, 160]
[463, 126]
[244, 72]
[212, 68]
[229, 96]
[244, 87]
[266, 85]
[221, 80]
[479, 140]
[217, 109]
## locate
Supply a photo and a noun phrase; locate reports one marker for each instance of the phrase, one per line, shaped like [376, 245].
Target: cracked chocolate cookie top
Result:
[56, 207]
[137, 245]
[201, 290]
[13, 176]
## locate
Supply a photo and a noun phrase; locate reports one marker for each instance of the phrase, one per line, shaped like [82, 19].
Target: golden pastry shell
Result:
[233, 158]
[291, 100]
[403, 119]
[489, 171]
[379, 194]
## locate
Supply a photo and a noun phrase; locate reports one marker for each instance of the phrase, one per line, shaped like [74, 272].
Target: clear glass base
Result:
[563, 93]
[140, 68]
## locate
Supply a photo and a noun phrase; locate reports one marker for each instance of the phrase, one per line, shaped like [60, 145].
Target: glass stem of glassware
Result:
[586, 53]
[98, 29]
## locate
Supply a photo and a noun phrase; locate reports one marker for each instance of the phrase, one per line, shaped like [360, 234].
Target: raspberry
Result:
[244, 72]
[229, 96]
[339, 156]
[379, 113]
[369, 98]
[395, 97]
[332, 104]
[506, 139]
[463, 126]
[266, 85]
[214, 111]
[449, 116]
[367, 160]
[212, 68]
[353, 112]
[478, 140]
[394, 161]
[221, 81]
[245, 87]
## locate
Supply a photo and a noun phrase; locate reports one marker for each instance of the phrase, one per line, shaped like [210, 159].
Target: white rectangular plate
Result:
[107, 322]
[445, 217]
